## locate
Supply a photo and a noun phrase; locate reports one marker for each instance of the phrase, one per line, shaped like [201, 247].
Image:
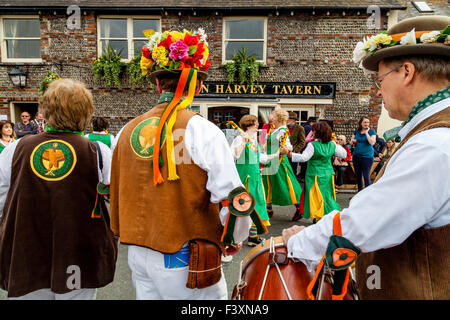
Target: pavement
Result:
[122, 289]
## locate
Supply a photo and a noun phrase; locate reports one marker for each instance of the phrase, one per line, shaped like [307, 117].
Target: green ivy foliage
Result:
[109, 67]
[246, 67]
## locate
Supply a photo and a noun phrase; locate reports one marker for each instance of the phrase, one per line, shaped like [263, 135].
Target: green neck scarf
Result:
[167, 97]
[418, 107]
[50, 129]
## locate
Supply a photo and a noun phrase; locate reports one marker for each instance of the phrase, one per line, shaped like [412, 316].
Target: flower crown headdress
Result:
[173, 51]
[383, 40]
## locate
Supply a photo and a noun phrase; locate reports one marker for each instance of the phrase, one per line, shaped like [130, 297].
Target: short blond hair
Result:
[342, 137]
[281, 115]
[67, 104]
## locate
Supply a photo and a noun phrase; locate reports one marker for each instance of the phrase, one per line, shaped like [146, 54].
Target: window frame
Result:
[130, 38]
[3, 39]
[225, 40]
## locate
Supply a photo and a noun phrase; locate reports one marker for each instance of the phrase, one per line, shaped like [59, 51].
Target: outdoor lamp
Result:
[18, 77]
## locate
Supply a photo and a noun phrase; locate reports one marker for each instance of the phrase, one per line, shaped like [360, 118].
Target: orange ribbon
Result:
[157, 177]
[398, 36]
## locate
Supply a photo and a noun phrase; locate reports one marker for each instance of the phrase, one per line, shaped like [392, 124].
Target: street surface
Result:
[122, 289]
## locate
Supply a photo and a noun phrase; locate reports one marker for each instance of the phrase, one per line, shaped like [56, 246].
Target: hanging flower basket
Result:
[109, 67]
[244, 66]
[49, 78]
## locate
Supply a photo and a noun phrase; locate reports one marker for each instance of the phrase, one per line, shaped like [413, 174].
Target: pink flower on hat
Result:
[178, 50]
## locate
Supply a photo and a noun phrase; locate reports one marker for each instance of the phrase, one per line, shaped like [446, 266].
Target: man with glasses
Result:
[401, 223]
[25, 126]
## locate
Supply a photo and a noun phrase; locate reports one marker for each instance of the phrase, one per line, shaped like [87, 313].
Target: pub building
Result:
[304, 49]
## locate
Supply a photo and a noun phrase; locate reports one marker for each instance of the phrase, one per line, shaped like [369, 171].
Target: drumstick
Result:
[240, 278]
[322, 282]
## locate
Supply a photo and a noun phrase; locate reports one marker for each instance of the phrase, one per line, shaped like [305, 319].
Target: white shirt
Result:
[414, 192]
[236, 148]
[6, 158]
[209, 149]
[309, 152]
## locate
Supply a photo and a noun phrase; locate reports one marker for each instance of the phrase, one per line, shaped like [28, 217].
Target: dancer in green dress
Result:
[320, 196]
[280, 184]
[247, 153]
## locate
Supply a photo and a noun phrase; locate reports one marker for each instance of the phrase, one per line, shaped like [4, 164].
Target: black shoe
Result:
[297, 216]
[252, 241]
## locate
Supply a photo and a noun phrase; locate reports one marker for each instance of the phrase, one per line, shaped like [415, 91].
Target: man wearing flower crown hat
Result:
[401, 223]
[170, 170]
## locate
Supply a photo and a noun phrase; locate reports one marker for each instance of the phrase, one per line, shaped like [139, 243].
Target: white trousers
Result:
[48, 294]
[153, 281]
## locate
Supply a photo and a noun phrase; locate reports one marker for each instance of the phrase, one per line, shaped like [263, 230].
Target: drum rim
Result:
[254, 256]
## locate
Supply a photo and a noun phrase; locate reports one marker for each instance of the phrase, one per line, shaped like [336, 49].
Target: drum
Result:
[267, 274]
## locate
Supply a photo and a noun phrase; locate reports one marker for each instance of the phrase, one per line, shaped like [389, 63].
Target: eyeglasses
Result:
[379, 79]
[25, 116]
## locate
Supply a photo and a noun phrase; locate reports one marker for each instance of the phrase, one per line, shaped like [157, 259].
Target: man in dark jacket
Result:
[25, 126]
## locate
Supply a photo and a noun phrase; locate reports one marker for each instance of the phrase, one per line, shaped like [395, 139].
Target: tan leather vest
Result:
[165, 216]
[418, 268]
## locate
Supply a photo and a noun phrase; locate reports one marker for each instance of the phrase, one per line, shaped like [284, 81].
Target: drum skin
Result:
[295, 274]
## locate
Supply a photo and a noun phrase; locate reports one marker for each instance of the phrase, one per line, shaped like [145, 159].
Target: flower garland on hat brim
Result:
[370, 45]
[187, 52]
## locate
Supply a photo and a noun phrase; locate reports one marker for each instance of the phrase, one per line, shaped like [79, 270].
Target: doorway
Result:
[221, 115]
[18, 107]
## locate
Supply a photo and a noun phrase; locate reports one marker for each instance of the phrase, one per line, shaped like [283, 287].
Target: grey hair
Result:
[434, 69]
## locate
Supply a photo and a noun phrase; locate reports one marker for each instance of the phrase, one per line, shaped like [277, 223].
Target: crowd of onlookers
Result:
[366, 151]
[363, 150]
[11, 131]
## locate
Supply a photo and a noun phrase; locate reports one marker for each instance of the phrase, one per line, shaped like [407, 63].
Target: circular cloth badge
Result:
[143, 137]
[53, 160]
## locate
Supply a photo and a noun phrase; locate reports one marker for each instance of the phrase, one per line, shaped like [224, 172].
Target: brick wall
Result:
[303, 47]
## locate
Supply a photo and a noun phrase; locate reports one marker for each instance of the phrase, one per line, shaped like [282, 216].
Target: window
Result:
[247, 32]
[422, 7]
[194, 108]
[21, 39]
[124, 34]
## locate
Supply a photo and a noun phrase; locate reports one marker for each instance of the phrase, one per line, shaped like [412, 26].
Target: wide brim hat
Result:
[293, 115]
[421, 24]
[201, 75]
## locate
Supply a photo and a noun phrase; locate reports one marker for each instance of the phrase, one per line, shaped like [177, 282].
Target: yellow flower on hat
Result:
[205, 54]
[379, 39]
[145, 65]
[177, 36]
[160, 55]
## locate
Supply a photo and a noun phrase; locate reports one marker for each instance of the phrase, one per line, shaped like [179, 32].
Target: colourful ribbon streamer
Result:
[157, 177]
[192, 80]
[283, 143]
[236, 127]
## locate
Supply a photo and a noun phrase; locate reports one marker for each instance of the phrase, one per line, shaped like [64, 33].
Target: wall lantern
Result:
[18, 77]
